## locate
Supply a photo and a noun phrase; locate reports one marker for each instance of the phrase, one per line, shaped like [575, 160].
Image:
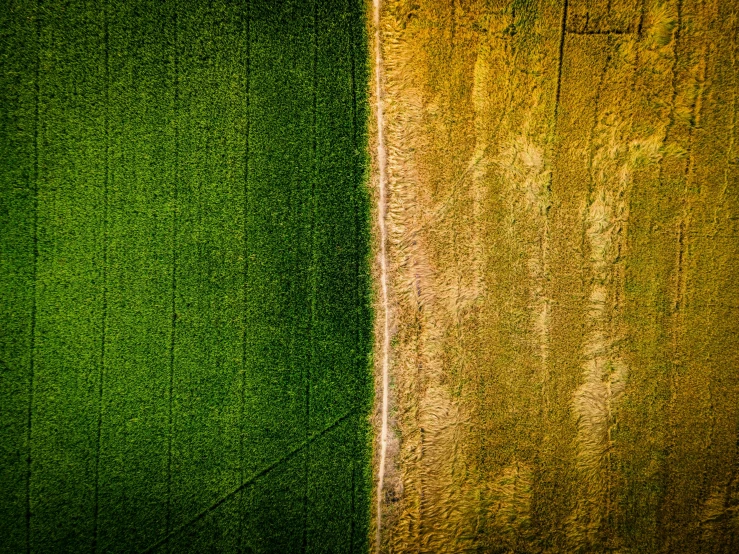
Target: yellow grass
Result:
[559, 236]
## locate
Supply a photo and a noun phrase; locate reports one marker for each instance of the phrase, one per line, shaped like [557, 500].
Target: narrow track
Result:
[381, 214]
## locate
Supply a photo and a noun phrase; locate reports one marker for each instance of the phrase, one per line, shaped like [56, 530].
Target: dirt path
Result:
[381, 217]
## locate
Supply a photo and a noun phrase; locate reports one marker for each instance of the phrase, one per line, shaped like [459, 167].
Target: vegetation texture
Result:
[563, 219]
[184, 286]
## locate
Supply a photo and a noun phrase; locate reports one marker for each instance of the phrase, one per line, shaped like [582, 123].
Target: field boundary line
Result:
[313, 276]
[562, 38]
[247, 85]
[34, 302]
[104, 316]
[674, 315]
[261, 473]
[357, 279]
[175, 202]
[602, 32]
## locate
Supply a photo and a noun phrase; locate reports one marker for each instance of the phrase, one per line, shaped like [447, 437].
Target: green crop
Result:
[184, 283]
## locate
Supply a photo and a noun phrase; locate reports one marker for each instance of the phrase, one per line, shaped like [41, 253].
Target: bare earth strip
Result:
[557, 220]
[382, 226]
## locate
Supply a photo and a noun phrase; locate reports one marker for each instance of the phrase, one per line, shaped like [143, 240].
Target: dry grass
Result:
[559, 226]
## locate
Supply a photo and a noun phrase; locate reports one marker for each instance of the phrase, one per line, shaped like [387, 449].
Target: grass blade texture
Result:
[184, 286]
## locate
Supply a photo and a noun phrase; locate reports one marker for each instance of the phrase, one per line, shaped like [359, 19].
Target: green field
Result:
[184, 279]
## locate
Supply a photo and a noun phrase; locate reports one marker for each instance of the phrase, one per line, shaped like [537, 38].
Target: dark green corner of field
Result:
[185, 318]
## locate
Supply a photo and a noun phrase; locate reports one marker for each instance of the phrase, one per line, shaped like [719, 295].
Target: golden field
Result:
[562, 231]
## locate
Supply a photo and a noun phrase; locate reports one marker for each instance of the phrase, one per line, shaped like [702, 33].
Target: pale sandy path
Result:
[381, 213]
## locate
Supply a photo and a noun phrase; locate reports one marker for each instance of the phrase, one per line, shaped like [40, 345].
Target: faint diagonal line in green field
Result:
[249, 481]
